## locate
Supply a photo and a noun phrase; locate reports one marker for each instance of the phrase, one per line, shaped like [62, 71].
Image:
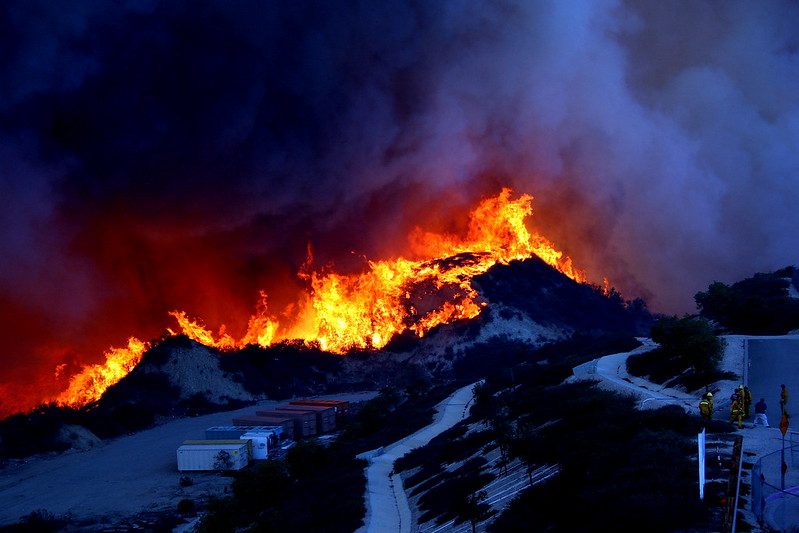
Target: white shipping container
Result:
[262, 441]
[217, 456]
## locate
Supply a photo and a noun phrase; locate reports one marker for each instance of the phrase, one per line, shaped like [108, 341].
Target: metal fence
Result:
[775, 486]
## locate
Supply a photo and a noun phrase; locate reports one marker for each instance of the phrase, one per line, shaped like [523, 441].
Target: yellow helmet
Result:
[709, 394]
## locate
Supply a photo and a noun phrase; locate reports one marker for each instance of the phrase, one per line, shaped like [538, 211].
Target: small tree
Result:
[472, 507]
[692, 340]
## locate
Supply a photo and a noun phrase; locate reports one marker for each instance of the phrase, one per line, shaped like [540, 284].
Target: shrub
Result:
[759, 305]
[39, 521]
[186, 506]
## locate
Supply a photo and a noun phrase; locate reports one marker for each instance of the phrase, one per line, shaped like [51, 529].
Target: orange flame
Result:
[343, 312]
[88, 385]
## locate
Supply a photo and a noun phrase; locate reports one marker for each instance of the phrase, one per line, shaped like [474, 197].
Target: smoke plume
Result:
[179, 155]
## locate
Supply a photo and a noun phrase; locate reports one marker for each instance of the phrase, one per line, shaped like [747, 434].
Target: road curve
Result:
[387, 509]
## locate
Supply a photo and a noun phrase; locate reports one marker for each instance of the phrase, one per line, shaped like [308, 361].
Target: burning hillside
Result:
[160, 157]
[365, 310]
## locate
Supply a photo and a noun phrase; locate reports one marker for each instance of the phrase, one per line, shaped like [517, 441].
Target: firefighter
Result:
[706, 407]
[736, 395]
[747, 402]
[736, 413]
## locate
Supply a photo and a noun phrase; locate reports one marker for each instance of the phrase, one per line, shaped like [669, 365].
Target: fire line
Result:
[364, 311]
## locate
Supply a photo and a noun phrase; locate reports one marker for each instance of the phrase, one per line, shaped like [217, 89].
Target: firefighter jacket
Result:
[736, 408]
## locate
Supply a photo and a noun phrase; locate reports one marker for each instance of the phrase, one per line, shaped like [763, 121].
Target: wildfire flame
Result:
[344, 312]
[365, 310]
[88, 385]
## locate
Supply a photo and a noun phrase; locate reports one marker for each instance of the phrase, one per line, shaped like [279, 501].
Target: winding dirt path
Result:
[387, 508]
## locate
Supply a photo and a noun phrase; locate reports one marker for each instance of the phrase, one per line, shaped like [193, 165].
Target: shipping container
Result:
[325, 416]
[234, 432]
[213, 455]
[342, 407]
[304, 422]
[219, 441]
[262, 443]
[285, 422]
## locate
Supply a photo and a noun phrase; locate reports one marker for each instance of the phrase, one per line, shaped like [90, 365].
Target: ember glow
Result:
[365, 310]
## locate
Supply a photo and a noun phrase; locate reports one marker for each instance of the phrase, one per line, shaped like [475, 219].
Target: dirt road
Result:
[123, 477]
[386, 501]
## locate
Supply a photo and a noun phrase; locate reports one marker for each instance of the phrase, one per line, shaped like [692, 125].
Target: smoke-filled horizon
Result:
[181, 155]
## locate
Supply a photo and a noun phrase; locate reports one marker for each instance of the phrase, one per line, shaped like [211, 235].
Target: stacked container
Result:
[304, 421]
[234, 432]
[341, 407]
[325, 416]
[285, 422]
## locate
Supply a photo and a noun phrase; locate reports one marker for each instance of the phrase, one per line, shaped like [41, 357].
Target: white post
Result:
[701, 443]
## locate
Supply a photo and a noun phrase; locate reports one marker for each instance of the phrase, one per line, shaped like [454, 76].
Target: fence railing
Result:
[775, 485]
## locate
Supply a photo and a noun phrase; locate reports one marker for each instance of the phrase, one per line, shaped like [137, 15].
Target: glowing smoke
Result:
[170, 155]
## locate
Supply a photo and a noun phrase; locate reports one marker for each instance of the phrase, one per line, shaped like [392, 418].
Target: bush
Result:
[691, 340]
[307, 458]
[689, 350]
[39, 521]
[655, 364]
[186, 506]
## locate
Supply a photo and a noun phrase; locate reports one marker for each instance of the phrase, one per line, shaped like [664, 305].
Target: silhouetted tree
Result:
[472, 507]
[692, 340]
[760, 305]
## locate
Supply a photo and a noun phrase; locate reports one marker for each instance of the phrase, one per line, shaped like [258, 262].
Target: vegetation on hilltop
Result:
[760, 305]
[539, 293]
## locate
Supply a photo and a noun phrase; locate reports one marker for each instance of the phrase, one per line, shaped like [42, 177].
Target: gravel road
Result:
[123, 477]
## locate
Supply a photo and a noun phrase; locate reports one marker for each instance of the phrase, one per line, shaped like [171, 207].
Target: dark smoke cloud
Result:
[161, 155]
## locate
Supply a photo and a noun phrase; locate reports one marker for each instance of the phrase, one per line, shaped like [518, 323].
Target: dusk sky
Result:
[183, 155]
